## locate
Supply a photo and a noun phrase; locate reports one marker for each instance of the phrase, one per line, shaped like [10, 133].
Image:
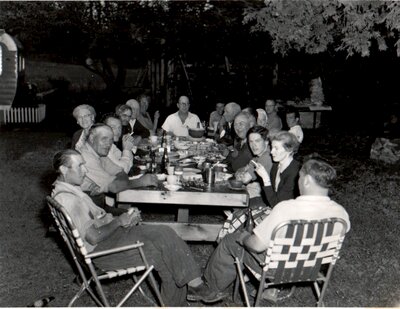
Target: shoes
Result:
[271, 294]
[205, 294]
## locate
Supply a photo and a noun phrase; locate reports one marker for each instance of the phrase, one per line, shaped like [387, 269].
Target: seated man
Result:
[170, 255]
[179, 122]
[226, 130]
[124, 113]
[293, 122]
[240, 155]
[103, 174]
[215, 116]
[122, 158]
[144, 116]
[316, 177]
[274, 122]
[136, 127]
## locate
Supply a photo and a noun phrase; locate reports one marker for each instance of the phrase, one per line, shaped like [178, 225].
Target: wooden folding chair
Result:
[87, 271]
[296, 252]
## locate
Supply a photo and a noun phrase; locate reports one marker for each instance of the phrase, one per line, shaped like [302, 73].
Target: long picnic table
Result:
[216, 195]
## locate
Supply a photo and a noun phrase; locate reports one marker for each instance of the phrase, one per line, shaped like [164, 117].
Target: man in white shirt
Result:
[292, 120]
[179, 123]
[316, 177]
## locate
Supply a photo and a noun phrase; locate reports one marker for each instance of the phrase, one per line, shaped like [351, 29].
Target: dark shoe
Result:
[204, 293]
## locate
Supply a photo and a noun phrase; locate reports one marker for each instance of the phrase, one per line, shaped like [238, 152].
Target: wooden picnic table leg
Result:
[183, 215]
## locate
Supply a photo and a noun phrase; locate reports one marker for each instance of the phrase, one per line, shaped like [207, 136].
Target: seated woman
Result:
[279, 185]
[84, 115]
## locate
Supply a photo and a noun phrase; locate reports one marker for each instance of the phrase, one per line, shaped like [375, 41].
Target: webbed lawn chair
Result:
[88, 274]
[296, 252]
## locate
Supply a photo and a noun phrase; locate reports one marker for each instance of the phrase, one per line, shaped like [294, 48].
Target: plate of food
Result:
[191, 170]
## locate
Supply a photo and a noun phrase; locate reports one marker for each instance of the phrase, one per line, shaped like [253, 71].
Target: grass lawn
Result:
[34, 266]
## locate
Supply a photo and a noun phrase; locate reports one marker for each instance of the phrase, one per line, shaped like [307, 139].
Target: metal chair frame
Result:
[297, 256]
[86, 269]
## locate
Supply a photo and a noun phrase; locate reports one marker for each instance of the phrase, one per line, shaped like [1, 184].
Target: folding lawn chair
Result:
[87, 271]
[296, 252]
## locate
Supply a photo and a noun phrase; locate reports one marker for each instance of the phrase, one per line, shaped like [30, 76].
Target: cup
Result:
[209, 176]
[172, 179]
[153, 140]
[170, 170]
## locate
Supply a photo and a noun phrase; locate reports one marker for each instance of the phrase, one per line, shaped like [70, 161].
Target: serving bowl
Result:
[196, 133]
[181, 145]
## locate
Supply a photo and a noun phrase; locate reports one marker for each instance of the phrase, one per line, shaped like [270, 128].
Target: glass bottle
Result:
[249, 226]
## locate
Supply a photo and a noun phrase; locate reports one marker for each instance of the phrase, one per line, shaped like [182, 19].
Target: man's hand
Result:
[128, 142]
[125, 219]
[242, 237]
[156, 115]
[245, 177]
[148, 180]
[130, 218]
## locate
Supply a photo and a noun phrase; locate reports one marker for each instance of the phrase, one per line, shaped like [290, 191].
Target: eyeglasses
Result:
[85, 116]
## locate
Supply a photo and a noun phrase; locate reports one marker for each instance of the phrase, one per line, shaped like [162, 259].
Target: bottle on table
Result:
[153, 161]
[249, 226]
[164, 161]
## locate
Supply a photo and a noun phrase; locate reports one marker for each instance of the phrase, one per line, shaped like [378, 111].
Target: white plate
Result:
[191, 170]
[172, 187]
[191, 176]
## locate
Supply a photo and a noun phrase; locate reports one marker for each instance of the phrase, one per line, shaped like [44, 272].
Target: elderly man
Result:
[178, 123]
[215, 116]
[124, 113]
[226, 131]
[240, 155]
[316, 177]
[274, 122]
[170, 255]
[105, 176]
[129, 144]
[136, 127]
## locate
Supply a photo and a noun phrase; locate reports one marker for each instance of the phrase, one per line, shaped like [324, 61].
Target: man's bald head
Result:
[183, 104]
